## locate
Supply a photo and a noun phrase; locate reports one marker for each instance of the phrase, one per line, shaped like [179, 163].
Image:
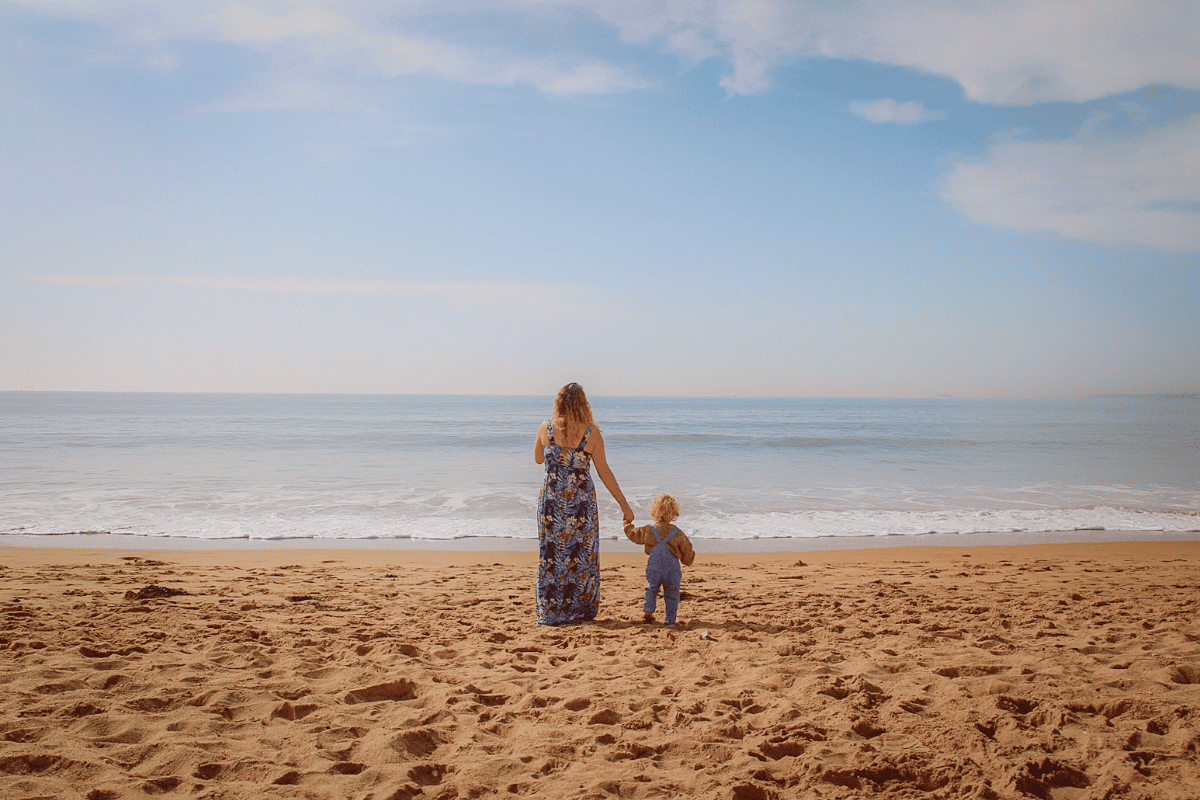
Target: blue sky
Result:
[885, 199]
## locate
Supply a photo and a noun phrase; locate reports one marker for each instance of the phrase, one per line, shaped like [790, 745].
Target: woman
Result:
[568, 583]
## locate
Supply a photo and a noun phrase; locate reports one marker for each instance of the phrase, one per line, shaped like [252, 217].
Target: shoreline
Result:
[110, 541]
[632, 556]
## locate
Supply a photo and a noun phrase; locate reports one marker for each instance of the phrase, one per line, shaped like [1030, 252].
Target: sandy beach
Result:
[1043, 671]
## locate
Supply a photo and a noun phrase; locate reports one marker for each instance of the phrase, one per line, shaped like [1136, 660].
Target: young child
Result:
[667, 546]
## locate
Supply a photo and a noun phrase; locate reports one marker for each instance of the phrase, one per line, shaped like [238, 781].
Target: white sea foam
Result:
[736, 526]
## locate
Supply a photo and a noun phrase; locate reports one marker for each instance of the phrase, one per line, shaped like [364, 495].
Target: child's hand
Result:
[628, 515]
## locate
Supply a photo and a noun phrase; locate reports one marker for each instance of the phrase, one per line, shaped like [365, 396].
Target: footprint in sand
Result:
[106, 730]
[151, 705]
[401, 689]
[161, 785]
[867, 729]
[346, 768]
[604, 717]
[81, 710]
[26, 735]
[59, 688]
[248, 770]
[293, 712]
[970, 671]
[108, 680]
[428, 774]
[339, 743]
[1015, 705]
[417, 744]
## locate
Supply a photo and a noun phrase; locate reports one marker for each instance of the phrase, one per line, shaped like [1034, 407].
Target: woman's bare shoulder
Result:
[595, 439]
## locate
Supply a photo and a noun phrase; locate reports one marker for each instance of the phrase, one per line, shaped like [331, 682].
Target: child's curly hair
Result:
[664, 508]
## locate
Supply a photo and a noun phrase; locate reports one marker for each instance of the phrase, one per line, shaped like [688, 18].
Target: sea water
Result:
[221, 466]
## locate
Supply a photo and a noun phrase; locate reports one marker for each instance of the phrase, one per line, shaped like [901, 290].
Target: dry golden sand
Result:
[1058, 671]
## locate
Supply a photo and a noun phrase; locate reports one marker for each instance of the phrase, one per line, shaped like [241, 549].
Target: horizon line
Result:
[1183, 393]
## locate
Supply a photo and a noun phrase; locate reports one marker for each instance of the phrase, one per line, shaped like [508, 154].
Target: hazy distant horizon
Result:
[550, 395]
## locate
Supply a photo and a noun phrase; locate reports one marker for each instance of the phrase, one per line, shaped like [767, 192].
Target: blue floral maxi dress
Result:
[568, 582]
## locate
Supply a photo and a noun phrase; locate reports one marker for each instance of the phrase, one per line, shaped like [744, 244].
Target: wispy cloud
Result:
[1000, 52]
[888, 110]
[481, 293]
[1095, 186]
[1018, 52]
[367, 39]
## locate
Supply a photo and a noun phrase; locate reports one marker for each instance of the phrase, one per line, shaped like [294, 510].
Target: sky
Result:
[809, 198]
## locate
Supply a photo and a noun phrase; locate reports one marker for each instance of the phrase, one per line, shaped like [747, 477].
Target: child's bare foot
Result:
[648, 617]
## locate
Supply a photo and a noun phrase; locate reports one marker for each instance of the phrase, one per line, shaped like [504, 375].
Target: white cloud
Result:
[1019, 52]
[337, 35]
[478, 293]
[888, 110]
[1096, 186]
[753, 36]
[1001, 51]
[691, 46]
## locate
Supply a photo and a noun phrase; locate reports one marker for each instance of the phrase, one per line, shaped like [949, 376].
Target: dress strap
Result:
[550, 431]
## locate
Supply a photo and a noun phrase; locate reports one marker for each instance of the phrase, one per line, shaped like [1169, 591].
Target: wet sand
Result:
[1044, 671]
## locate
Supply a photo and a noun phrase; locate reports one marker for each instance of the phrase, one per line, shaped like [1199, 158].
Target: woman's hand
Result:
[627, 513]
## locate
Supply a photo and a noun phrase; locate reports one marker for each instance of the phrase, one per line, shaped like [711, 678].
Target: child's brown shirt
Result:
[680, 546]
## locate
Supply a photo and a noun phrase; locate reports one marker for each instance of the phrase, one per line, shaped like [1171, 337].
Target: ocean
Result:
[372, 467]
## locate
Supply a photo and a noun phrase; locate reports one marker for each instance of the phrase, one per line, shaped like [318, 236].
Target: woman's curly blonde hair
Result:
[571, 407]
[664, 508]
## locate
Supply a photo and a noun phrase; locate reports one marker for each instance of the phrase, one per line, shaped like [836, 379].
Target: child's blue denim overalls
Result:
[662, 569]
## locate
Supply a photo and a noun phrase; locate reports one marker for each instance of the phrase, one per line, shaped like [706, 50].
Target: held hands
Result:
[627, 513]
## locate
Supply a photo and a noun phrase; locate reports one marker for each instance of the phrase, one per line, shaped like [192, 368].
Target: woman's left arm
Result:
[607, 476]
